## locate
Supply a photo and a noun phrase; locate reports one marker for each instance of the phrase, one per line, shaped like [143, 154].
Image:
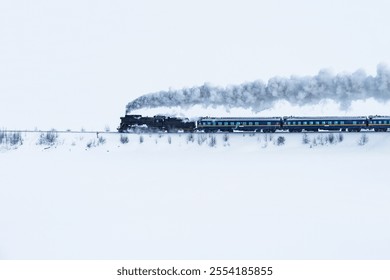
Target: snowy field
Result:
[174, 196]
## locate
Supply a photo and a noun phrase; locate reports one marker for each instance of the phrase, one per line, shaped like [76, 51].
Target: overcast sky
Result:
[73, 64]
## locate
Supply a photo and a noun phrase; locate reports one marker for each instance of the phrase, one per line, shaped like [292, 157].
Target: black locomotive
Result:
[138, 123]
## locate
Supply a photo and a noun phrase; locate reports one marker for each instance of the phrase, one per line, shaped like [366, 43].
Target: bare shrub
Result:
[101, 140]
[225, 137]
[11, 138]
[3, 137]
[91, 144]
[331, 138]
[363, 139]
[213, 141]
[320, 140]
[201, 139]
[305, 138]
[15, 138]
[49, 138]
[340, 137]
[141, 139]
[190, 138]
[95, 143]
[169, 140]
[124, 139]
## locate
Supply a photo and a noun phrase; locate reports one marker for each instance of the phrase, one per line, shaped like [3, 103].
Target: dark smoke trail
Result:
[258, 96]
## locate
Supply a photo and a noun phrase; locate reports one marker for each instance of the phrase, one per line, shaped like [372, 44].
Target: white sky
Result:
[73, 64]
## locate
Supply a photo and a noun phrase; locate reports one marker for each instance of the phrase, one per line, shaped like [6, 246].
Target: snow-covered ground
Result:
[174, 196]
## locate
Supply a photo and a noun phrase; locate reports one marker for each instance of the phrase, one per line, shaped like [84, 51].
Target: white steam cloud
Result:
[258, 96]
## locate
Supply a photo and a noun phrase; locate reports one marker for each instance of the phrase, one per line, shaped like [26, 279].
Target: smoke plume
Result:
[258, 96]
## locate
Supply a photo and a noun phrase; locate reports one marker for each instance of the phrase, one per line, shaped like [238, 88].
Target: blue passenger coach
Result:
[299, 124]
[379, 123]
[239, 124]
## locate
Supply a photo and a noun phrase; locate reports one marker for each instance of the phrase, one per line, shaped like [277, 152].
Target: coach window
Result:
[317, 122]
[250, 123]
[329, 122]
[268, 123]
[311, 122]
[336, 122]
[354, 122]
[305, 123]
[342, 122]
[323, 122]
[380, 122]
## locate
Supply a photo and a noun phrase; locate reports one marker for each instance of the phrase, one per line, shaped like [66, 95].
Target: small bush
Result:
[124, 139]
[169, 140]
[340, 137]
[141, 139]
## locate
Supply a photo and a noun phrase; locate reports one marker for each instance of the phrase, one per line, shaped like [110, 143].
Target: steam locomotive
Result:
[138, 123]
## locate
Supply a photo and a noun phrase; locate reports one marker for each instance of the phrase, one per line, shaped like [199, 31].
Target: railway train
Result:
[138, 123]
